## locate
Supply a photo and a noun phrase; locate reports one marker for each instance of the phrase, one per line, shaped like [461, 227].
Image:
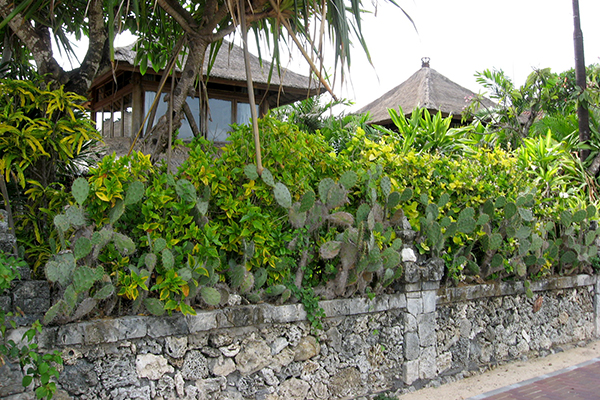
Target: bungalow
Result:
[426, 88]
[121, 97]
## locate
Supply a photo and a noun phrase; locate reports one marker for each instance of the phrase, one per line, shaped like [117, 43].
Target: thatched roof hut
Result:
[120, 98]
[426, 88]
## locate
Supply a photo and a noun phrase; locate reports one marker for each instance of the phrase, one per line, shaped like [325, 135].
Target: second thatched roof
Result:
[229, 67]
[428, 89]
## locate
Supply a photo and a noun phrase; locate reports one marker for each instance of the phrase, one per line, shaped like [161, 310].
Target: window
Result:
[219, 119]
[185, 130]
[243, 113]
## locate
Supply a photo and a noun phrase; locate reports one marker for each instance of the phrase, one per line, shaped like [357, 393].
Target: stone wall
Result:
[422, 335]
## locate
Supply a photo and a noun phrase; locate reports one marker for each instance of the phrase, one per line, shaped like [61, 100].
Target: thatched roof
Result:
[428, 89]
[229, 66]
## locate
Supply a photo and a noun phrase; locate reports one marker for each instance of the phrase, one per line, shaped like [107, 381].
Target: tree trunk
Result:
[155, 141]
[580, 77]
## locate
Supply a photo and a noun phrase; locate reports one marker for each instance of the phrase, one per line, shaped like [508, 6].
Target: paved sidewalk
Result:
[579, 382]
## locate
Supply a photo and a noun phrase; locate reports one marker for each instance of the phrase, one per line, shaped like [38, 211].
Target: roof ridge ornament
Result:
[425, 62]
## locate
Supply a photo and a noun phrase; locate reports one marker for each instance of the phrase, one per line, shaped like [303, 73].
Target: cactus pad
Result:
[307, 201]
[336, 196]
[202, 207]
[386, 185]
[104, 293]
[123, 244]
[406, 195]
[62, 222]
[341, 218]
[296, 217]
[210, 295]
[362, 212]
[83, 247]
[260, 277]
[495, 241]
[238, 274]
[168, 260]
[329, 250]
[579, 216]
[391, 258]
[84, 277]
[591, 211]
[590, 237]
[510, 209]
[186, 190]
[85, 307]
[523, 232]
[75, 216]
[483, 219]
[135, 192]
[285, 296]
[348, 179]
[117, 211]
[443, 200]
[324, 187]
[267, 177]
[275, 290]
[500, 202]
[375, 260]
[253, 298]
[154, 306]
[282, 195]
[80, 190]
[393, 200]
[247, 283]
[248, 249]
[527, 215]
[250, 171]
[57, 309]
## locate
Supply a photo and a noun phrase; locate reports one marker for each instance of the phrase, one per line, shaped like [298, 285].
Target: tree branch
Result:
[180, 14]
[37, 41]
[81, 78]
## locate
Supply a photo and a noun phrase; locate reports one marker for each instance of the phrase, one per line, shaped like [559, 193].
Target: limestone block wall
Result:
[244, 352]
[421, 335]
[484, 325]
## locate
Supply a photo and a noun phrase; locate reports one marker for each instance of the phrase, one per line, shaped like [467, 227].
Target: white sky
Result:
[462, 37]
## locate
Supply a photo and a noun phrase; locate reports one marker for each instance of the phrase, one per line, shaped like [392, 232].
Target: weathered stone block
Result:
[410, 371]
[294, 389]
[32, 297]
[429, 300]
[279, 344]
[195, 366]
[306, 349]
[101, 331]
[176, 346]
[152, 366]
[133, 327]
[414, 305]
[426, 328]
[79, 377]
[167, 326]
[412, 349]
[6, 303]
[254, 356]
[10, 379]
[221, 366]
[427, 363]
[70, 334]
[345, 383]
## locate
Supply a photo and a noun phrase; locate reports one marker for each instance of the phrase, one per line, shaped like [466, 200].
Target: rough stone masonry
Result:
[421, 335]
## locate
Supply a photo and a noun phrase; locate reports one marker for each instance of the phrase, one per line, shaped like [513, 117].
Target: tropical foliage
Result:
[46, 139]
